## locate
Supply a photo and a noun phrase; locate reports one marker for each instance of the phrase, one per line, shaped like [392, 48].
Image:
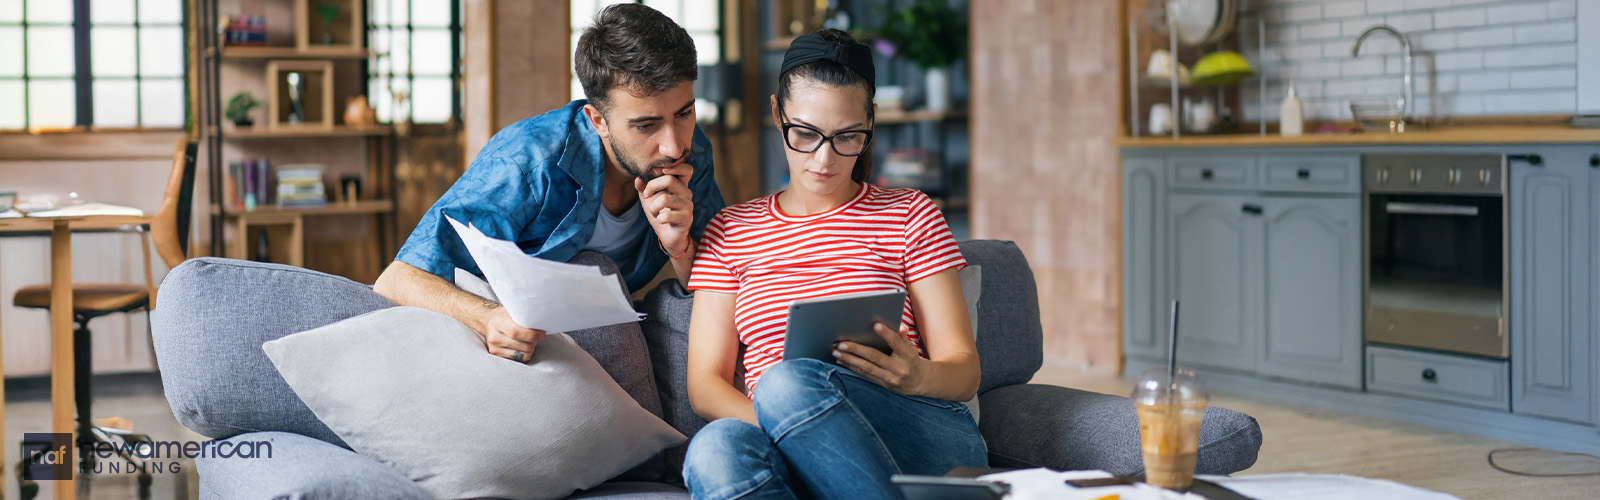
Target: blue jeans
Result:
[828, 432]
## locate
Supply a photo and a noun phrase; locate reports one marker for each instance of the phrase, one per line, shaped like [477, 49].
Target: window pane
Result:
[433, 100]
[430, 13]
[10, 11]
[50, 11]
[432, 56]
[382, 101]
[378, 14]
[582, 14]
[399, 53]
[113, 52]
[378, 39]
[162, 103]
[161, 52]
[707, 49]
[49, 50]
[116, 103]
[668, 7]
[700, 15]
[11, 109]
[10, 51]
[50, 104]
[111, 12]
[400, 12]
[160, 11]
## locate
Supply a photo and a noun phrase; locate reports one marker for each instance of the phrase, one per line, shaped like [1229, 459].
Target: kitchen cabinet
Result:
[1312, 280]
[1551, 341]
[1269, 277]
[1215, 273]
[1144, 320]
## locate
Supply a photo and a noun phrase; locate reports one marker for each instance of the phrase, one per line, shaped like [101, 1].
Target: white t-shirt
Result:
[614, 233]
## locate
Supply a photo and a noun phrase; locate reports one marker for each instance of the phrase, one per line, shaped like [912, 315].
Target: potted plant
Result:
[933, 36]
[239, 109]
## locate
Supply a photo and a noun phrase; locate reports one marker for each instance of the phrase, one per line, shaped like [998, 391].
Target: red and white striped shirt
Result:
[882, 239]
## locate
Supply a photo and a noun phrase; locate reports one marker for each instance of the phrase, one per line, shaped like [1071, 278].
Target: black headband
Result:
[810, 48]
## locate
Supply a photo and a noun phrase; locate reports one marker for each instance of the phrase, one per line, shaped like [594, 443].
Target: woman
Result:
[808, 427]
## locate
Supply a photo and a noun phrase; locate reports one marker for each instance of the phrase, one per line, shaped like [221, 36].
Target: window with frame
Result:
[702, 19]
[418, 49]
[130, 74]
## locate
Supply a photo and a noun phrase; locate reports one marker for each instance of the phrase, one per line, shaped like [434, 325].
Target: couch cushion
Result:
[208, 328]
[301, 468]
[1032, 425]
[633, 491]
[418, 391]
[1010, 338]
[666, 331]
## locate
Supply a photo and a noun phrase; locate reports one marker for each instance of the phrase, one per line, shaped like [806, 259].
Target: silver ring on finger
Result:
[516, 356]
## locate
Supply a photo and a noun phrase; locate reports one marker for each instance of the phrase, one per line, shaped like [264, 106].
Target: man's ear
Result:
[773, 100]
[597, 120]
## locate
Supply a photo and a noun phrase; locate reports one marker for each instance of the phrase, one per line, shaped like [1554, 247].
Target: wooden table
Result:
[62, 393]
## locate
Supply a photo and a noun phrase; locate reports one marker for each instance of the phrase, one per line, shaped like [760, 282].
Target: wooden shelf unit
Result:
[248, 52]
[332, 208]
[231, 132]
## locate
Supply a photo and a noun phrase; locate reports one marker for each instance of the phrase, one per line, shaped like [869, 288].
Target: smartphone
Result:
[948, 488]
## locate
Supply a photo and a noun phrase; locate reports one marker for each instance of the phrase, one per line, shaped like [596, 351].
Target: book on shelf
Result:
[300, 186]
[245, 184]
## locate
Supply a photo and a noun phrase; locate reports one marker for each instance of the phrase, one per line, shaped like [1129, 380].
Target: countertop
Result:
[1458, 134]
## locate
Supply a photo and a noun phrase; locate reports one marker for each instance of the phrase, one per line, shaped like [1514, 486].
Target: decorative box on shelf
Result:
[300, 94]
[328, 25]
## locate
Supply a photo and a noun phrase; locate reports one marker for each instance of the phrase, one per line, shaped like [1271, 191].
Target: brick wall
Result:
[1470, 57]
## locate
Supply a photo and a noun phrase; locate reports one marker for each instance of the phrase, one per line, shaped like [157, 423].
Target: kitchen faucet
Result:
[1405, 48]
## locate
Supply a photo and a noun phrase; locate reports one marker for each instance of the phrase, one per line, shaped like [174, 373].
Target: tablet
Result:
[816, 324]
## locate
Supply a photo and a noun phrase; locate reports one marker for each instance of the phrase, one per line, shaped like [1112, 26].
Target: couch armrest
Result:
[297, 467]
[1034, 425]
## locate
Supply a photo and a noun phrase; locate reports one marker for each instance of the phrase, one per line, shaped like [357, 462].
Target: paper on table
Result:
[543, 294]
[10, 214]
[88, 209]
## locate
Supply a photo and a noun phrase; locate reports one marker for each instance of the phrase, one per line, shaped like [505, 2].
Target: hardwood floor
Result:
[1308, 440]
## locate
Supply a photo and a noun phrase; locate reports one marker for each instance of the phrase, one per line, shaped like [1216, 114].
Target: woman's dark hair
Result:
[636, 48]
[834, 74]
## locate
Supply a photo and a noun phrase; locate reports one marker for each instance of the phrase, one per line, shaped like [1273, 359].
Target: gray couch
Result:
[215, 314]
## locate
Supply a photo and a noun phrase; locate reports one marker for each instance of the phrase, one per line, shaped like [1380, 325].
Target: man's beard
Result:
[648, 174]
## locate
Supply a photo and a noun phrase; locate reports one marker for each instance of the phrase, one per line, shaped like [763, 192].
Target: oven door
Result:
[1436, 272]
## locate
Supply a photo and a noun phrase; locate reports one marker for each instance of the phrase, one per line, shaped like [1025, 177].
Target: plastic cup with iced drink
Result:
[1169, 410]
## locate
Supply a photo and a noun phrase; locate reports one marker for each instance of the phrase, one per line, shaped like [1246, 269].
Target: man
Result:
[625, 173]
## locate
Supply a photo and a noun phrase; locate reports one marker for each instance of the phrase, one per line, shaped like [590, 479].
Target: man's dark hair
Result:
[834, 74]
[636, 48]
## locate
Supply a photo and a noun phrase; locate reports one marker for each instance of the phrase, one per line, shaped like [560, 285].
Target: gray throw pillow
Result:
[418, 391]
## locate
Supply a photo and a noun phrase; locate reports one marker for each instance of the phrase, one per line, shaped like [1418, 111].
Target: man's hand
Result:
[506, 338]
[669, 206]
[901, 371]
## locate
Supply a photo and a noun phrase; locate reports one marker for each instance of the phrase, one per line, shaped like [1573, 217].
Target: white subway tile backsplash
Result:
[1446, 19]
[1516, 13]
[1319, 31]
[1562, 9]
[1483, 80]
[1384, 6]
[1485, 37]
[1472, 57]
[1544, 79]
[1552, 101]
[1344, 9]
[1557, 31]
[1361, 66]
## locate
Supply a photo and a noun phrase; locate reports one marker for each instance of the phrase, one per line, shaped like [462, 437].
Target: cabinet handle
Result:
[1251, 208]
[1303, 173]
[1594, 161]
[1533, 159]
[1429, 375]
[1206, 174]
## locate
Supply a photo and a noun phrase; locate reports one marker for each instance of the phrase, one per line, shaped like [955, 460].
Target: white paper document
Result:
[87, 209]
[544, 294]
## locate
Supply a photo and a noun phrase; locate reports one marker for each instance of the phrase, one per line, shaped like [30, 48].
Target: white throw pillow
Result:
[417, 391]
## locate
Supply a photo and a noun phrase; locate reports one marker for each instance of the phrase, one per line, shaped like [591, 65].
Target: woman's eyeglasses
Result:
[803, 139]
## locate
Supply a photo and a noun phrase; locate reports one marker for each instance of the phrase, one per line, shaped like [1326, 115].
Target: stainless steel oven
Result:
[1435, 267]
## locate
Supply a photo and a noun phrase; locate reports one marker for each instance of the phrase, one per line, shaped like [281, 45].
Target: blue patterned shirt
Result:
[538, 183]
